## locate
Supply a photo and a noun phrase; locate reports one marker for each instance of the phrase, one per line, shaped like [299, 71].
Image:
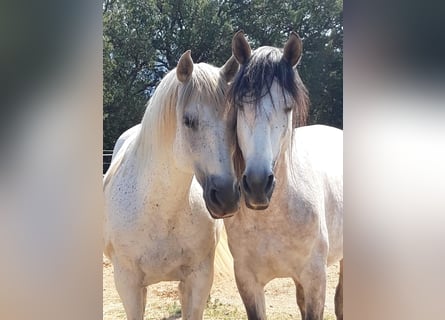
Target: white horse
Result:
[157, 224]
[127, 134]
[294, 176]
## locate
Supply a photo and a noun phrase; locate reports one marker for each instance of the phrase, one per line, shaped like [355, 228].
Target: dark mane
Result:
[255, 79]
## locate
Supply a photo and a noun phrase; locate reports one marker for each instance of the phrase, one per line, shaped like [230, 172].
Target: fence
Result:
[106, 159]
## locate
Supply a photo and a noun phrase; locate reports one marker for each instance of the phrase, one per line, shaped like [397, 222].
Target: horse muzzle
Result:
[258, 187]
[222, 197]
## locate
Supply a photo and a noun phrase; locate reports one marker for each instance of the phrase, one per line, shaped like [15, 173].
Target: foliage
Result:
[143, 39]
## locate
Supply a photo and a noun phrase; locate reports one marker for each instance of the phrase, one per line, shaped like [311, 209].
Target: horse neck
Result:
[158, 169]
[283, 168]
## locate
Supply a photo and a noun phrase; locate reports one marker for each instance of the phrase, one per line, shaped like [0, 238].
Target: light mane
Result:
[158, 127]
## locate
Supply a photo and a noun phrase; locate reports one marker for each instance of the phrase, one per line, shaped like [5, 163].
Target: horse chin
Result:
[219, 215]
[257, 206]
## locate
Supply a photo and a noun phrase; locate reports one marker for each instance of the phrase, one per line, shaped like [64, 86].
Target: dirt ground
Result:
[224, 302]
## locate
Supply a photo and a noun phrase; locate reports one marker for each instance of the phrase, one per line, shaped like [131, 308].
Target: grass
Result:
[215, 310]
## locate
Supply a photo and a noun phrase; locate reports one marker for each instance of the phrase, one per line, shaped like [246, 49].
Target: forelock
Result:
[255, 79]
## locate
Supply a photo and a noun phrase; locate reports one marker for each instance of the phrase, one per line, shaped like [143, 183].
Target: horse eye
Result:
[190, 122]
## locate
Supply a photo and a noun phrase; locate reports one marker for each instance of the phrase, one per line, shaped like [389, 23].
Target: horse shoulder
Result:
[315, 170]
[319, 150]
[125, 201]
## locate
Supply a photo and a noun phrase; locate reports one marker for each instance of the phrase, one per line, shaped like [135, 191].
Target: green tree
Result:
[143, 39]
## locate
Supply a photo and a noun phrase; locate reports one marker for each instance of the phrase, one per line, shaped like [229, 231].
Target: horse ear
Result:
[241, 48]
[184, 68]
[229, 69]
[292, 49]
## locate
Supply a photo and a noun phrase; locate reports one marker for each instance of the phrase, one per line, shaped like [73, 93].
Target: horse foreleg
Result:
[313, 281]
[252, 294]
[131, 292]
[300, 299]
[194, 291]
[339, 294]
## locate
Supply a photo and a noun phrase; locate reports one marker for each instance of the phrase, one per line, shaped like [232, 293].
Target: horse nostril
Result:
[269, 184]
[213, 197]
[245, 185]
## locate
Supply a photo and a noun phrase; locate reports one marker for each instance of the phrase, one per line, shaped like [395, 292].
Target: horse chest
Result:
[165, 260]
[164, 254]
[274, 242]
[163, 244]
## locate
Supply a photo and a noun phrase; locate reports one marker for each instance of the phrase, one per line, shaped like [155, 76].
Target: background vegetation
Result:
[143, 39]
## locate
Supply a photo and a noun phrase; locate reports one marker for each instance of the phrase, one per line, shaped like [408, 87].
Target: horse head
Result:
[205, 137]
[270, 99]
